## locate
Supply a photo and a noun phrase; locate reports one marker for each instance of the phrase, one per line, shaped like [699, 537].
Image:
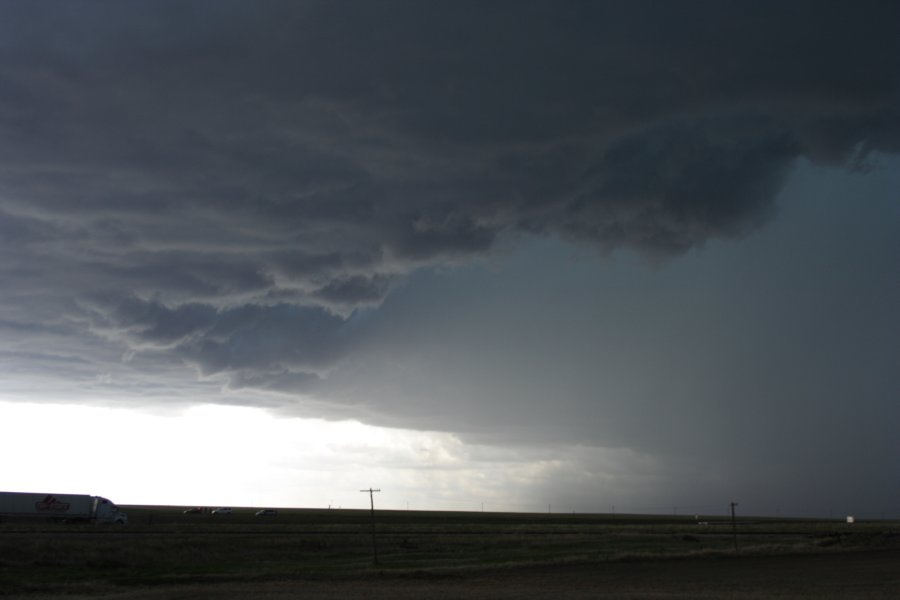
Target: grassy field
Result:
[163, 548]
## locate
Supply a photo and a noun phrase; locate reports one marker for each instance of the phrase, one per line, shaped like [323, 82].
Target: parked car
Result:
[221, 511]
[267, 512]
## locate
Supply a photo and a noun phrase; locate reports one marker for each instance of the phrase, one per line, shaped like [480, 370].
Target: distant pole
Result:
[734, 524]
[371, 493]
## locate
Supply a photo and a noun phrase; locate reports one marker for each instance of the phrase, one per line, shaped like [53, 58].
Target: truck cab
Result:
[106, 511]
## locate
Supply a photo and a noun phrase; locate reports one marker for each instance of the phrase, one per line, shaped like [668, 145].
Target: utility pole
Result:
[371, 493]
[734, 524]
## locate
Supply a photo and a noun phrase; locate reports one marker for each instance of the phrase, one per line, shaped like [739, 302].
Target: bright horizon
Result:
[249, 458]
[253, 459]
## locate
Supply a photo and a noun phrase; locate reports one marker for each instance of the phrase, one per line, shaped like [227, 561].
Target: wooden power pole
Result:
[734, 524]
[371, 493]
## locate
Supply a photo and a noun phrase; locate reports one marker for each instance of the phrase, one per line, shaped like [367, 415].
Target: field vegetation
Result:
[162, 546]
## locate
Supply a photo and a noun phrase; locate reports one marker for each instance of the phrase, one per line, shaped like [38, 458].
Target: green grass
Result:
[162, 546]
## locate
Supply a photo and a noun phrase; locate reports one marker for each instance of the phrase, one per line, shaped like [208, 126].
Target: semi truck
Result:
[63, 507]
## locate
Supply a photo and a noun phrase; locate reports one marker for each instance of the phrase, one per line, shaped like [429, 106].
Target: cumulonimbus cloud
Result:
[235, 180]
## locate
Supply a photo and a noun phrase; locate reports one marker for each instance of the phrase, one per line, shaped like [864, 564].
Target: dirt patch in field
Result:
[846, 575]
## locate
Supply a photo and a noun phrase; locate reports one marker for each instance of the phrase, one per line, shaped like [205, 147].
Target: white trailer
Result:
[63, 507]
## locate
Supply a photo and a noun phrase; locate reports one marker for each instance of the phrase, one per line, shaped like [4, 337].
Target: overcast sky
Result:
[578, 254]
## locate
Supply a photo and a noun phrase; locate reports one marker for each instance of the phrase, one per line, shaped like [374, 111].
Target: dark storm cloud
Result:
[354, 291]
[250, 337]
[228, 181]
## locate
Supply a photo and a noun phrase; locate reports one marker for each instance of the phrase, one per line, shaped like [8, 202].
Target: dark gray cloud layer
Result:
[235, 186]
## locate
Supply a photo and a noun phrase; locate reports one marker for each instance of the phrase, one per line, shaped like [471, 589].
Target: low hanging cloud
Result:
[240, 186]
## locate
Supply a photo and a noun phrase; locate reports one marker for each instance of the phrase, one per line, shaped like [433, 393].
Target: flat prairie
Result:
[164, 553]
[844, 576]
